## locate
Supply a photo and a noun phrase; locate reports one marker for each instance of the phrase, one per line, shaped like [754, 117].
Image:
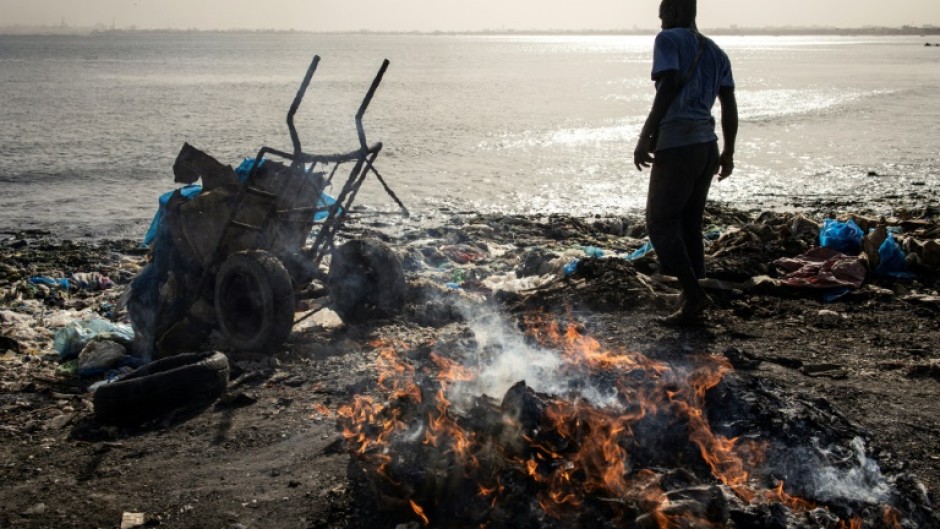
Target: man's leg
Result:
[671, 183]
[694, 212]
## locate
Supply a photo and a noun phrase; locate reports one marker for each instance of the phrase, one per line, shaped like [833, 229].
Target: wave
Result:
[776, 104]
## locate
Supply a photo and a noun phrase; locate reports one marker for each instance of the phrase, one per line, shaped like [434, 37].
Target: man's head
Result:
[677, 13]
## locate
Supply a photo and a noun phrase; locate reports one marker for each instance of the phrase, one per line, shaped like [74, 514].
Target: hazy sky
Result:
[450, 15]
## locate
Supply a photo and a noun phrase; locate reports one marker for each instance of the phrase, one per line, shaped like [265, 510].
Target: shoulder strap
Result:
[698, 59]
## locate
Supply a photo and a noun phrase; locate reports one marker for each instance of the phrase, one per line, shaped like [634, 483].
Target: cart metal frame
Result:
[302, 164]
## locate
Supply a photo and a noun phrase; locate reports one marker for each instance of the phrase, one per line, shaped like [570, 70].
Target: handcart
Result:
[247, 243]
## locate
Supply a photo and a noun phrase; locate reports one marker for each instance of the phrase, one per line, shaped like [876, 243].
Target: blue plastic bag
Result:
[244, 168]
[592, 251]
[891, 260]
[641, 251]
[188, 192]
[845, 237]
[62, 282]
[571, 267]
[193, 190]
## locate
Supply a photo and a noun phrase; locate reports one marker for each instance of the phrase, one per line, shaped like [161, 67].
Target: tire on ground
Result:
[162, 386]
[366, 281]
[254, 301]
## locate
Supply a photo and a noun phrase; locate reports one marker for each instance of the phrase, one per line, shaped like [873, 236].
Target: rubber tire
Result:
[366, 281]
[162, 386]
[254, 301]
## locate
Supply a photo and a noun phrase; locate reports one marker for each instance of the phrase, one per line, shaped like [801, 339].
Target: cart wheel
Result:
[254, 301]
[366, 281]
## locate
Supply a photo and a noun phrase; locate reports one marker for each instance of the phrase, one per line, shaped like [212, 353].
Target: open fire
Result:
[603, 438]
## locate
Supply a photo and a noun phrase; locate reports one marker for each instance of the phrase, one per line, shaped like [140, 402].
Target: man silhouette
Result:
[678, 139]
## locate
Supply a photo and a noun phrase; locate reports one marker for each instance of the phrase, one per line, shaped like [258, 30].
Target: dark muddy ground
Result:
[268, 454]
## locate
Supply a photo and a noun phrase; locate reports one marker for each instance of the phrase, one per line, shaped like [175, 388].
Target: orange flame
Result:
[793, 502]
[891, 517]
[419, 511]
[320, 411]
[854, 523]
[598, 462]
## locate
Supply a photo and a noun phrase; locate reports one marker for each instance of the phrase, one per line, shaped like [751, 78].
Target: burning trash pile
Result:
[606, 438]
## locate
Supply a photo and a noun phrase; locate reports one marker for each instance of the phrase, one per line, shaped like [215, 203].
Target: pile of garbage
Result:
[609, 262]
[62, 304]
[61, 323]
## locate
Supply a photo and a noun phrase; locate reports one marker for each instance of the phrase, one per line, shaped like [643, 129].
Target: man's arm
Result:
[665, 95]
[729, 130]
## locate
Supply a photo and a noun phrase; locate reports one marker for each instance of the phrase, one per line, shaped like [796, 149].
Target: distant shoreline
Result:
[735, 31]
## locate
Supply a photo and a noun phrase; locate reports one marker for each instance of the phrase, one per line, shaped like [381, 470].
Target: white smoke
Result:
[504, 357]
[831, 474]
[862, 481]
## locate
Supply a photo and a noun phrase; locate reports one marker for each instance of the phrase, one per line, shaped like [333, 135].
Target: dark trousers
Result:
[675, 206]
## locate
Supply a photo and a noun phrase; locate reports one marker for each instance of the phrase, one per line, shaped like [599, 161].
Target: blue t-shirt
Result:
[689, 119]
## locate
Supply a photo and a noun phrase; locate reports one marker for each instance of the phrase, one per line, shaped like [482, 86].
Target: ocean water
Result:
[90, 125]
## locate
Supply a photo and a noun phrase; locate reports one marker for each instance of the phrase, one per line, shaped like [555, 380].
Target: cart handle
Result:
[365, 104]
[360, 130]
[296, 104]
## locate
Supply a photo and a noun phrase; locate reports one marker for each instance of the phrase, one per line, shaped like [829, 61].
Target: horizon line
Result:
[28, 29]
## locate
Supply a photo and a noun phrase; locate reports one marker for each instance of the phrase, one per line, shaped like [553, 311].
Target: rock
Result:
[39, 508]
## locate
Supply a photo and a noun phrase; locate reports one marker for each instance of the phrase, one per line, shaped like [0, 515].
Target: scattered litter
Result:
[718, 284]
[71, 339]
[892, 261]
[642, 251]
[132, 520]
[592, 251]
[511, 283]
[82, 280]
[822, 268]
[463, 253]
[802, 226]
[845, 237]
[50, 282]
[571, 267]
[100, 356]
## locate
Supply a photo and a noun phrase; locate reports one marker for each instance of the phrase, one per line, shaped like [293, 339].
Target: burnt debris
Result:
[622, 440]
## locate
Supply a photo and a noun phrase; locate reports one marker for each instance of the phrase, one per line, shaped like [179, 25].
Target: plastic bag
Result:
[571, 267]
[71, 339]
[99, 356]
[845, 237]
[592, 251]
[188, 192]
[892, 261]
[641, 251]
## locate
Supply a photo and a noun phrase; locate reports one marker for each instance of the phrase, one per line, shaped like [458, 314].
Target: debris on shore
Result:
[858, 309]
